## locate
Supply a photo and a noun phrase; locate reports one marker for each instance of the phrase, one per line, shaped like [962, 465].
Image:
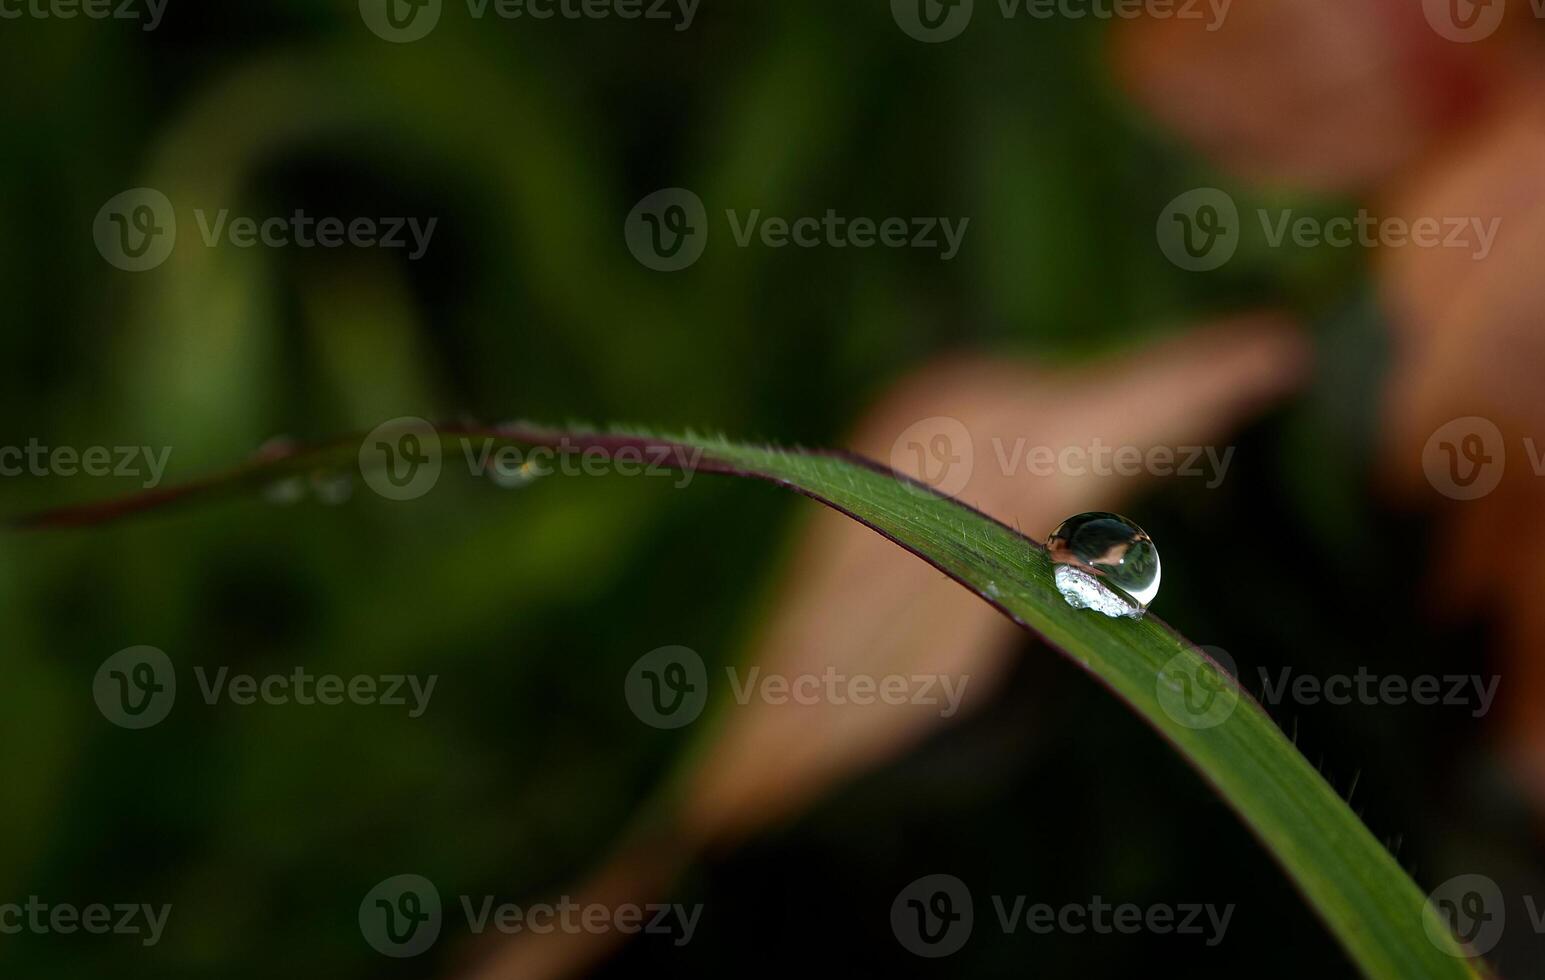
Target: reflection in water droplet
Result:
[1105, 563]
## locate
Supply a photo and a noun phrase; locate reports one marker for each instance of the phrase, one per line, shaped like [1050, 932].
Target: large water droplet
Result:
[1105, 563]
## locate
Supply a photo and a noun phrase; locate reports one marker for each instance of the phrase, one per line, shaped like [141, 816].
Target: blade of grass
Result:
[1375, 910]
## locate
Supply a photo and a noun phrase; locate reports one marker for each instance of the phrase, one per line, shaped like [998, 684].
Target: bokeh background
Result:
[1062, 140]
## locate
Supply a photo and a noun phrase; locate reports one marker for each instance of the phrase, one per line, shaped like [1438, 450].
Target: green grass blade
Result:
[1376, 911]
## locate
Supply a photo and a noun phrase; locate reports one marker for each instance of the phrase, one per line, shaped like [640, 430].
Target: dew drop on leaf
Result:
[1106, 563]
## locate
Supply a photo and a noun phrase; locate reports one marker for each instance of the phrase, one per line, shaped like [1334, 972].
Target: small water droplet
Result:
[332, 489]
[514, 477]
[290, 490]
[1105, 563]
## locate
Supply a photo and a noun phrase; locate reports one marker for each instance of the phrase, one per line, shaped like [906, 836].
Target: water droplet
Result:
[1105, 563]
[513, 478]
[289, 490]
[332, 489]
